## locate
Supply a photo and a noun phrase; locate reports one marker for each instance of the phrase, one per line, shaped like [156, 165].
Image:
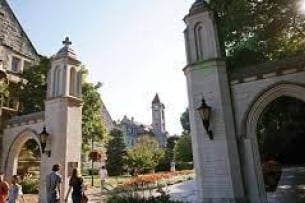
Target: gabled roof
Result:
[8, 9]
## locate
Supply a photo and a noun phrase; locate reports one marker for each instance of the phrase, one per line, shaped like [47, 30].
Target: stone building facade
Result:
[16, 54]
[132, 129]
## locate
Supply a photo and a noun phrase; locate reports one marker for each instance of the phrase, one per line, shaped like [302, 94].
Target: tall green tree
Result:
[164, 164]
[145, 154]
[183, 149]
[116, 153]
[185, 121]
[92, 126]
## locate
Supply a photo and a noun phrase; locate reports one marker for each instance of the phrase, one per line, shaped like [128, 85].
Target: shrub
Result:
[184, 166]
[30, 186]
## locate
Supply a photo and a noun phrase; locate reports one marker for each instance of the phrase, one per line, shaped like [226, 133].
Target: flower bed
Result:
[155, 180]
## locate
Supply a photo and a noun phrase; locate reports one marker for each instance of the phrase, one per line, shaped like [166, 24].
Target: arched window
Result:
[73, 80]
[55, 81]
[79, 83]
[58, 81]
[199, 41]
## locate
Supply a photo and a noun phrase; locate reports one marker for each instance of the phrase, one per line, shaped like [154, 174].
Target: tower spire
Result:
[156, 99]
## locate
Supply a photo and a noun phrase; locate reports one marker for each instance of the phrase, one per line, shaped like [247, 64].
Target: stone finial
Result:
[67, 42]
[198, 6]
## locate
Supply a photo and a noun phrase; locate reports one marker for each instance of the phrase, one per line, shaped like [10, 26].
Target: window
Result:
[16, 64]
[198, 42]
[73, 81]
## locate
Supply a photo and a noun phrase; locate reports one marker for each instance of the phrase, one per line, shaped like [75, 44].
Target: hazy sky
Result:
[134, 47]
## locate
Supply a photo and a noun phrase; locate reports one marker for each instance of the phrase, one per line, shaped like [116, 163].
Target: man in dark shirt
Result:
[53, 183]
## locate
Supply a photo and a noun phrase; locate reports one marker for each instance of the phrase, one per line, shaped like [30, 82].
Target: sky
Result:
[135, 48]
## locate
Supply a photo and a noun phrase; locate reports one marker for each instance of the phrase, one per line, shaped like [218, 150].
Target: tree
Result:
[92, 126]
[185, 121]
[164, 164]
[183, 149]
[32, 90]
[255, 31]
[116, 153]
[145, 154]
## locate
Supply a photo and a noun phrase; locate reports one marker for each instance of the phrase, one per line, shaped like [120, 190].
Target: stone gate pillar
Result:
[63, 115]
[217, 163]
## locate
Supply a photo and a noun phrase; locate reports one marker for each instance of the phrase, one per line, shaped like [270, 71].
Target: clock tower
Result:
[158, 117]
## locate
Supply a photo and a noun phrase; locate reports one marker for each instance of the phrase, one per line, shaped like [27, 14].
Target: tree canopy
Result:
[183, 149]
[254, 31]
[146, 153]
[185, 121]
[32, 92]
[92, 126]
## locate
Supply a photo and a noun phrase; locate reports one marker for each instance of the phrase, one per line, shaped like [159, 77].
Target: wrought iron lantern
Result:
[44, 136]
[205, 114]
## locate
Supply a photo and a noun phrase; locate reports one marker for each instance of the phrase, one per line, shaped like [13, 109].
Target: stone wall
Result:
[252, 89]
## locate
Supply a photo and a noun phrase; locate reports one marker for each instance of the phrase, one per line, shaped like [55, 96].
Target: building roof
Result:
[199, 6]
[66, 50]
[4, 5]
[156, 99]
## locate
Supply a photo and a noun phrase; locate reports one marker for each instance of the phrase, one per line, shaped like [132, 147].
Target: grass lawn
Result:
[112, 181]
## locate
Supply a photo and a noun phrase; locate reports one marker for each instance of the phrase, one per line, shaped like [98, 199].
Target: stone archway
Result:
[249, 150]
[11, 160]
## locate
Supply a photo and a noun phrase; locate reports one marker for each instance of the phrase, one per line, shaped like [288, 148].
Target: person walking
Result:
[76, 183]
[53, 184]
[15, 191]
[3, 188]
[103, 176]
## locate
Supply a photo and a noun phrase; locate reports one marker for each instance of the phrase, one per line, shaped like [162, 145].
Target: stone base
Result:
[222, 200]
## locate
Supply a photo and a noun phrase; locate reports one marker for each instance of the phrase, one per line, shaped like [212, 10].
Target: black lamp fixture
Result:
[44, 135]
[205, 114]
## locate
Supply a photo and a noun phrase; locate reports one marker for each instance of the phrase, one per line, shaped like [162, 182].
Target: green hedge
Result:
[30, 186]
[184, 166]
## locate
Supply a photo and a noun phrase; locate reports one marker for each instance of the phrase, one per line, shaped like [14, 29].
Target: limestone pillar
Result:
[63, 117]
[217, 163]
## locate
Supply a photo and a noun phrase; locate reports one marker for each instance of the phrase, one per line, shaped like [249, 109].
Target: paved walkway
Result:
[291, 189]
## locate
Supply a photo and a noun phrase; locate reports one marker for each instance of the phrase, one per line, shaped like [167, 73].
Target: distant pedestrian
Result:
[15, 191]
[103, 176]
[76, 183]
[3, 188]
[53, 183]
